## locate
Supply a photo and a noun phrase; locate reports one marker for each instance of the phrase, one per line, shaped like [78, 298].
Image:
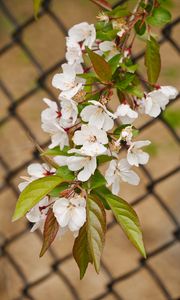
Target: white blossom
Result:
[67, 82]
[126, 114]
[92, 139]
[97, 115]
[120, 171]
[103, 17]
[84, 33]
[35, 171]
[110, 47]
[38, 214]
[136, 155]
[74, 52]
[85, 163]
[158, 99]
[59, 136]
[70, 213]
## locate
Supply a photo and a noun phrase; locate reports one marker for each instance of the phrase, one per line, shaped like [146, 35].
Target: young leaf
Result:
[114, 62]
[101, 67]
[128, 219]
[140, 27]
[37, 5]
[103, 3]
[65, 173]
[118, 12]
[152, 60]
[160, 17]
[107, 35]
[96, 227]
[51, 228]
[100, 192]
[97, 180]
[123, 84]
[57, 190]
[104, 158]
[81, 251]
[56, 151]
[33, 193]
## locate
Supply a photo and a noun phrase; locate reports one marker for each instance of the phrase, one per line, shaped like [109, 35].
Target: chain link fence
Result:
[56, 281]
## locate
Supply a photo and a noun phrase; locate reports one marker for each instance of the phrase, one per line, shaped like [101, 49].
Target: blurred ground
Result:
[29, 55]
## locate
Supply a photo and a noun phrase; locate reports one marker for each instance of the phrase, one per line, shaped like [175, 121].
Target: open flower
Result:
[158, 99]
[97, 115]
[126, 114]
[136, 156]
[35, 171]
[110, 47]
[70, 213]
[59, 136]
[38, 214]
[83, 33]
[67, 82]
[92, 139]
[74, 52]
[120, 171]
[85, 163]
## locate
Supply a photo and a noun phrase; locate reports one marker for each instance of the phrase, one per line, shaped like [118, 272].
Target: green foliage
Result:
[118, 12]
[96, 228]
[65, 173]
[124, 83]
[33, 193]
[104, 158]
[114, 62]
[57, 190]
[97, 180]
[56, 151]
[51, 228]
[140, 27]
[160, 16]
[128, 219]
[100, 65]
[81, 251]
[152, 60]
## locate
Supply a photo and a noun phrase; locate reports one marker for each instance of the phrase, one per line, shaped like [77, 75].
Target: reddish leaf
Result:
[101, 66]
[50, 230]
[103, 3]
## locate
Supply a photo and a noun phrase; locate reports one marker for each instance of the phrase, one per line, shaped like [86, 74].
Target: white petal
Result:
[36, 170]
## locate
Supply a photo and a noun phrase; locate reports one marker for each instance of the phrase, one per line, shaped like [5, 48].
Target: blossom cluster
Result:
[83, 127]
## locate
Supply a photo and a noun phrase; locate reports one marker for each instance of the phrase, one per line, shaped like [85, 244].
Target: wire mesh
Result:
[14, 103]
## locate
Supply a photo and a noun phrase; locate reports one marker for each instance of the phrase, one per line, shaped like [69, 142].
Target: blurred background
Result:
[30, 53]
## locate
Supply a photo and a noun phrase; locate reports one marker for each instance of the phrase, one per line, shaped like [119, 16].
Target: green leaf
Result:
[37, 5]
[104, 158]
[51, 228]
[57, 190]
[103, 3]
[114, 62]
[65, 173]
[100, 192]
[107, 36]
[128, 219]
[135, 91]
[57, 151]
[152, 60]
[81, 251]
[118, 12]
[96, 228]
[119, 129]
[33, 193]
[123, 84]
[97, 180]
[101, 67]
[140, 27]
[160, 17]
